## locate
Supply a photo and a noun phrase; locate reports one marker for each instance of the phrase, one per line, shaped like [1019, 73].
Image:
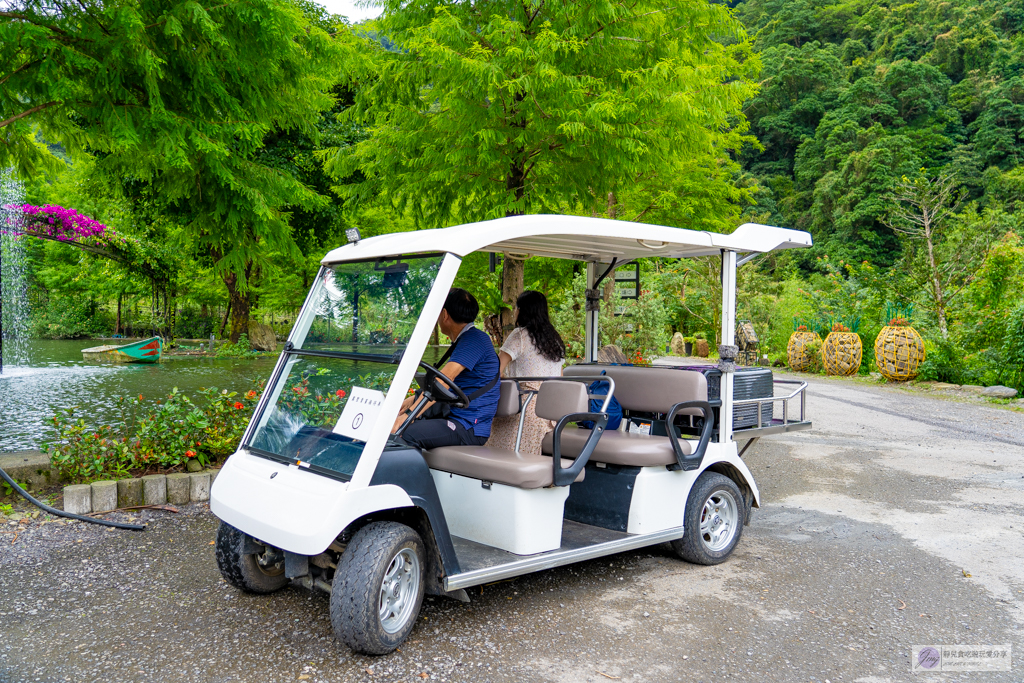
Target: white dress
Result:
[526, 362]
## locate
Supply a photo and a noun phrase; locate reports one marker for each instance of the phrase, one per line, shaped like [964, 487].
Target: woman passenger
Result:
[533, 349]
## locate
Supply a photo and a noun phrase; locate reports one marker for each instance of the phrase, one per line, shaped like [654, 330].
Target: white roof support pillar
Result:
[593, 342]
[728, 339]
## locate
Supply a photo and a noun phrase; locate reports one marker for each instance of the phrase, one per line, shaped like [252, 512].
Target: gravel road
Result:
[869, 527]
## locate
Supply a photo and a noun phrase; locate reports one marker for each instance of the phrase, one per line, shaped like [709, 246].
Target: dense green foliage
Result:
[857, 93]
[891, 131]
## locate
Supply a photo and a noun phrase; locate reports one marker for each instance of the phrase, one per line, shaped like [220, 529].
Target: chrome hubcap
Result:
[399, 590]
[719, 520]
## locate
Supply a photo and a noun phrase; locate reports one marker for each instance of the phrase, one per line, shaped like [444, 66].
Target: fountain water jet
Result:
[14, 307]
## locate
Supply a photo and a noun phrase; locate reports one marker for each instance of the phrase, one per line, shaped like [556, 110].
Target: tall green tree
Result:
[177, 96]
[494, 108]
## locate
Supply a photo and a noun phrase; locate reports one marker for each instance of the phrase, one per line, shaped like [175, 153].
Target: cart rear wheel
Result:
[715, 511]
[378, 588]
[253, 573]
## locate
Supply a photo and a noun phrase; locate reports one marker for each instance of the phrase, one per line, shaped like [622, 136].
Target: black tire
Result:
[357, 591]
[244, 571]
[711, 543]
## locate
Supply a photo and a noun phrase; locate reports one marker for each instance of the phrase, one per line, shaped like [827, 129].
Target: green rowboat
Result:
[145, 351]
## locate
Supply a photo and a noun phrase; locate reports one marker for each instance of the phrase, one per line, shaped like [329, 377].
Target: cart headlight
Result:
[352, 234]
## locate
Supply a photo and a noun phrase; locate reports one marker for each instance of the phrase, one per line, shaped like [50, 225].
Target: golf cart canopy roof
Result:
[572, 237]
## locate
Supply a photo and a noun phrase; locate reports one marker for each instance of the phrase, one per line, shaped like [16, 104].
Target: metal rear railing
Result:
[800, 392]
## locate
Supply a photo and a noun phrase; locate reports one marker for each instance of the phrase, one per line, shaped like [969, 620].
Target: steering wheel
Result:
[438, 387]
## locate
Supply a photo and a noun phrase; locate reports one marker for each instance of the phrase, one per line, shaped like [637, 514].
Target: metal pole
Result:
[728, 339]
[592, 344]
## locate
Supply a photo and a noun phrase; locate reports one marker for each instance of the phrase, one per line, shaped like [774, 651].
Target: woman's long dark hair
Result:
[533, 315]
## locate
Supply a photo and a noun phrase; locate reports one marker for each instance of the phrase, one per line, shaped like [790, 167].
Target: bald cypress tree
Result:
[490, 108]
[176, 96]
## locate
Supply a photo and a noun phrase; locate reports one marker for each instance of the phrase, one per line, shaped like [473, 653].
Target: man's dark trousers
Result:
[439, 432]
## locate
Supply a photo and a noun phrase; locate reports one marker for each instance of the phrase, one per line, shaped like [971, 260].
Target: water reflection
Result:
[56, 377]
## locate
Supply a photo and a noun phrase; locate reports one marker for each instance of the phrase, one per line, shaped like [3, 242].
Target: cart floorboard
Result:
[482, 564]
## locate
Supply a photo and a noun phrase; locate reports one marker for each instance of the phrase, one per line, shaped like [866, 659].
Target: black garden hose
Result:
[60, 513]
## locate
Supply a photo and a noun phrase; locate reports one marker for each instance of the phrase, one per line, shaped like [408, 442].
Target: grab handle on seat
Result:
[692, 461]
[563, 476]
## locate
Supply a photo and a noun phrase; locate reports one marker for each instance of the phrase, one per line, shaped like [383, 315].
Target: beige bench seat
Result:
[644, 389]
[525, 471]
[618, 448]
[496, 465]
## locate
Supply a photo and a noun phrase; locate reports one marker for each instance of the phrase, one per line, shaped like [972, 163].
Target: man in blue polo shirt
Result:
[473, 366]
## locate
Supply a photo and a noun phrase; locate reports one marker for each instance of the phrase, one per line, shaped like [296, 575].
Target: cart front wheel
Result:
[261, 572]
[378, 588]
[714, 520]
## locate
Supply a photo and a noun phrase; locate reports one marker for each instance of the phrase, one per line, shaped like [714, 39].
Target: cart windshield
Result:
[324, 401]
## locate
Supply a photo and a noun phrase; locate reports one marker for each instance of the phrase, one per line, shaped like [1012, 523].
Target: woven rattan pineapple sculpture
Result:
[899, 349]
[803, 348]
[842, 351]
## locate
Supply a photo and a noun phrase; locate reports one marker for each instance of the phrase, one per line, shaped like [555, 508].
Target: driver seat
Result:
[501, 466]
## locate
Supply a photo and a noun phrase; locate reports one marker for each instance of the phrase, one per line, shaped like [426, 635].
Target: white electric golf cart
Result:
[322, 493]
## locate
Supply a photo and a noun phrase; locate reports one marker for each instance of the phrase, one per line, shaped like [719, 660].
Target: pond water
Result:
[53, 375]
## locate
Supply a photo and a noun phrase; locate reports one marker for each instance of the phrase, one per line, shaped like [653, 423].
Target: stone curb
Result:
[129, 493]
[78, 499]
[178, 488]
[152, 489]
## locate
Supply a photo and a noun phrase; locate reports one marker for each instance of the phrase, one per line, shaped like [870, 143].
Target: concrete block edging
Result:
[152, 489]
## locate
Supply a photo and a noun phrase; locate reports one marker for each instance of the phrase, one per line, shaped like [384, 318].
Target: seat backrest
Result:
[649, 389]
[508, 399]
[558, 397]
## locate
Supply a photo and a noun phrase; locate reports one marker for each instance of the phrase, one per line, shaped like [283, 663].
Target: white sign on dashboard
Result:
[360, 414]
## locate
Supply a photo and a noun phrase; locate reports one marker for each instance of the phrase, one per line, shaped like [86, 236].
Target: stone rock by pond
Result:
[999, 391]
[611, 354]
[262, 337]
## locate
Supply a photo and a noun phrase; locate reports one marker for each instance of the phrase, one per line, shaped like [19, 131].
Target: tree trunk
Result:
[512, 268]
[224, 322]
[940, 299]
[174, 314]
[511, 288]
[239, 306]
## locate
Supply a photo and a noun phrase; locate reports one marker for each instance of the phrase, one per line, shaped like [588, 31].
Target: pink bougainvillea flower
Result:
[60, 223]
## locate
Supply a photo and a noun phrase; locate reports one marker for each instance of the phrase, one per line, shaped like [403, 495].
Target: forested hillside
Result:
[855, 94]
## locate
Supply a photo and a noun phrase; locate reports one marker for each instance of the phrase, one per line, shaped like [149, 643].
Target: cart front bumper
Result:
[291, 509]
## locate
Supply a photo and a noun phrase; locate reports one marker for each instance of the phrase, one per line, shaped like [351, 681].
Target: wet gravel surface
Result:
[869, 526]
